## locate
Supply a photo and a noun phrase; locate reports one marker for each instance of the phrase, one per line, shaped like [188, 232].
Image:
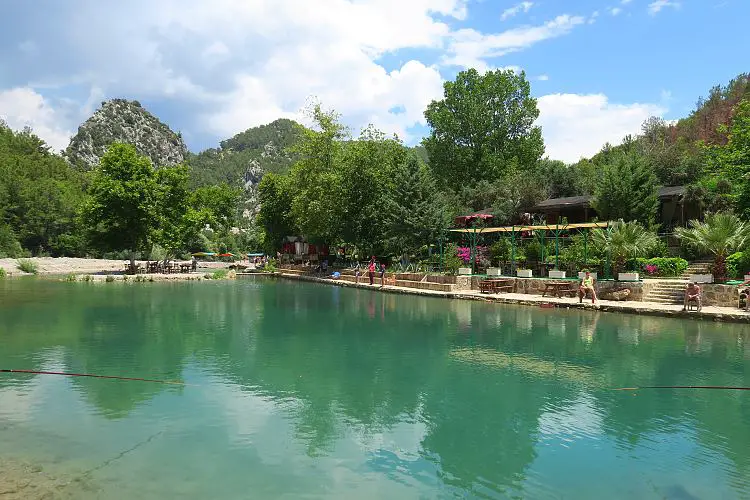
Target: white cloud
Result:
[23, 107]
[469, 48]
[231, 64]
[625, 2]
[576, 126]
[658, 5]
[615, 10]
[221, 67]
[542, 78]
[516, 9]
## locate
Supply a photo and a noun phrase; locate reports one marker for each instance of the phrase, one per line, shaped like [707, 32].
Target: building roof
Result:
[585, 201]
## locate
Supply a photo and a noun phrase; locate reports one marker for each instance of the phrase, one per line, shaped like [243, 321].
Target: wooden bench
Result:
[558, 288]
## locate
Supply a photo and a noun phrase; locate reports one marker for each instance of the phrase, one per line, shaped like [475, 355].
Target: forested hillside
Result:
[484, 152]
[237, 160]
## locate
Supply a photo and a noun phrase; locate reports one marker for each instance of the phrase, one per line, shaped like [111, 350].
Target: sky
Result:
[211, 69]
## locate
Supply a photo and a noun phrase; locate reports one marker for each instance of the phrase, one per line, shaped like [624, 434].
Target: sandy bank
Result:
[67, 265]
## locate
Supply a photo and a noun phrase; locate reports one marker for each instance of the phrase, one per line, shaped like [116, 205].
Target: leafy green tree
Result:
[482, 124]
[179, 224]
[122, 210]
[415, 213]
[627, 190]
[316, 177]
[39, 193]
[561, 180]
[275, 194]
[623, 241]
[219, 204]
[720, 235]
[367, 182]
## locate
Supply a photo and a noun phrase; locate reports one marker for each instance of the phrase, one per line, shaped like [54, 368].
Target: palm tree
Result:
[721, 234]
[623, 241]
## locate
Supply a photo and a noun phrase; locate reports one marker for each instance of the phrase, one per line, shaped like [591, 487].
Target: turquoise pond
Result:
[301, 390]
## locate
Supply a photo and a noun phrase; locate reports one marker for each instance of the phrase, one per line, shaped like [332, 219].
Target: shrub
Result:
[71, 277]
[220, 274]
[87, 277]
[208, 276]
[27, 266]
[738, 264]
[2, 273]
[109, 278]
[452, 260]
[500, 250]
[664, 267]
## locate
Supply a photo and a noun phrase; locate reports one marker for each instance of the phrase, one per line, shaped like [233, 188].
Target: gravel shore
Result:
[67, 265]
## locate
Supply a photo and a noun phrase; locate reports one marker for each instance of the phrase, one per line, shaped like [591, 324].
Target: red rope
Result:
[725, 387]
[33, 372]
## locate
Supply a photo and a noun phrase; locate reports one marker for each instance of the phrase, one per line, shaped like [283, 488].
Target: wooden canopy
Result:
[547, 227]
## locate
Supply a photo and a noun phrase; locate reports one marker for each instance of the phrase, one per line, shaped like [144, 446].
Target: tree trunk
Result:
[720, 269]
[132, 263]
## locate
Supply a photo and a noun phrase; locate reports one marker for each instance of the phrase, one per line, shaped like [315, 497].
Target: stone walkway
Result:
[631, 307]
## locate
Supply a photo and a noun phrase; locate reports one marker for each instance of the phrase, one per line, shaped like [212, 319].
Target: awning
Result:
[255, 254]
[203, 254]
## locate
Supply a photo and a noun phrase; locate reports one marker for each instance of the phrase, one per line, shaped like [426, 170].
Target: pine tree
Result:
[416, 212]
[627, 190]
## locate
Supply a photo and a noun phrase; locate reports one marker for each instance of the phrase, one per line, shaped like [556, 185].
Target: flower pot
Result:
[464, 270]
[554, 273]
[583, 275]
[747, 277]
[523, 273]
[701, 278]
[494, 271]
[627, 276]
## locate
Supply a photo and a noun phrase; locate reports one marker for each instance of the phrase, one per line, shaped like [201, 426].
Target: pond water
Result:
[305, 390]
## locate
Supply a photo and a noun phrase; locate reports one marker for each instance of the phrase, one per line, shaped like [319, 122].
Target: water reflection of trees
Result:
[352, 356]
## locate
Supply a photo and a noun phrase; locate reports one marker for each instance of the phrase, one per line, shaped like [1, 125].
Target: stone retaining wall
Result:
[720, 295]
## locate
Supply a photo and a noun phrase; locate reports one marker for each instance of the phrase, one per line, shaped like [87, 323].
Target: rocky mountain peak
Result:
[120, 120]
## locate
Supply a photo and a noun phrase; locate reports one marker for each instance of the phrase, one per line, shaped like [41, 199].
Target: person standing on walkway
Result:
[382, 275]
[371, 270]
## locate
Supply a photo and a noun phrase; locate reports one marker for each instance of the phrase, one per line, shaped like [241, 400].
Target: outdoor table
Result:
[185, 268]
[495, 285]
[559, 287]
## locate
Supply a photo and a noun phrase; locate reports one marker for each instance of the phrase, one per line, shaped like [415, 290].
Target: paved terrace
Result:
[710, 313]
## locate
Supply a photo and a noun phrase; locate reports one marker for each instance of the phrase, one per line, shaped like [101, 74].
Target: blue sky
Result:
[212, 69]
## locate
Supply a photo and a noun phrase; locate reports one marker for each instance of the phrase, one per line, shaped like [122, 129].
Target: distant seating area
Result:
[159, 267]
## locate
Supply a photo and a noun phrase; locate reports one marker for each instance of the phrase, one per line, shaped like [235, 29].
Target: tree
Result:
[734, 157]
[219, 205]
[482, 123]
[316, 177]
[720, 235]
[561, 180]
[275, 195]
[179, 224]
[627, 189]
[367, 181]
[623, 241]
[121, 212]
[415, 214]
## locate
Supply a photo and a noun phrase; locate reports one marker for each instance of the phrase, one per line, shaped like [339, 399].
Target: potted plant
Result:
[556, 273]
[524, 273]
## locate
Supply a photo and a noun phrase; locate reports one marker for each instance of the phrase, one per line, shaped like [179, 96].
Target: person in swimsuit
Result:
[382, 275]
[587, 285]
